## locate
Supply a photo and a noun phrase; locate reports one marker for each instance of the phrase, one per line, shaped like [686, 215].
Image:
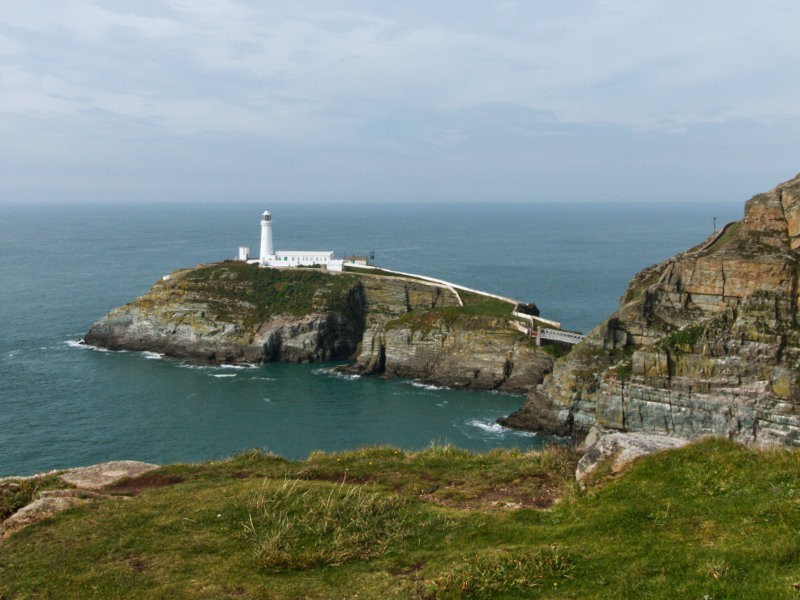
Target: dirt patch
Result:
[148, 481]
[138, 565]
[408, 569]
[336, 477]
[540, 494]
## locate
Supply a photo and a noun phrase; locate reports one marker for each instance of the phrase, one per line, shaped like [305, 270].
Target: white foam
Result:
[499, 393]
[498, 430]
[263, 379]
[427, 386]
[152, 355]
[84, 346]
[493, 428]
[332, 372]
[238, 366]
[220, 375]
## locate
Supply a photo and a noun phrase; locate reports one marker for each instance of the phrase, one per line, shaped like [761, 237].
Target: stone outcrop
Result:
[232, 312]
[620, 449]
[85, 482]
[705, 343]
[471, 352]
[398, 326]
[413, 330]
[101, 475]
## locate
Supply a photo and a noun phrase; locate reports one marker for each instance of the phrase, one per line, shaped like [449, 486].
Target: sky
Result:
[427, 101]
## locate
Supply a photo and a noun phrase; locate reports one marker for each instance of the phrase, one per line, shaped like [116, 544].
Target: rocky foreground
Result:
[705, 343]
[398, 326]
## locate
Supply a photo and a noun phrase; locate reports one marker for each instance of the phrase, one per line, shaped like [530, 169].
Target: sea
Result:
[64, 265]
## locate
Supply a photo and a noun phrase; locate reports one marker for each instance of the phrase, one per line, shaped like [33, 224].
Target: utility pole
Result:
[715, 224]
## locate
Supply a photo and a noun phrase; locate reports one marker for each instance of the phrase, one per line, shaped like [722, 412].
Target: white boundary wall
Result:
[454, 288]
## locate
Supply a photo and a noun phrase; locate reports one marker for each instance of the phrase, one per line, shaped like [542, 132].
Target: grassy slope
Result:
[711, 520]
[479, 312]
[236, 291]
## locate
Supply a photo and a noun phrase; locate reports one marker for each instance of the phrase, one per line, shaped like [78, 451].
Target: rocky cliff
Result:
[398, 326]
[233, 312]
[705, 343]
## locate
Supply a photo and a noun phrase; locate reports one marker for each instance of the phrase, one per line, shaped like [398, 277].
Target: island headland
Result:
[704, 343]
[383, 322]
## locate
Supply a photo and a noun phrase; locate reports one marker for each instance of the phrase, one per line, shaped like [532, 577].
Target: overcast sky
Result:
[226, 100]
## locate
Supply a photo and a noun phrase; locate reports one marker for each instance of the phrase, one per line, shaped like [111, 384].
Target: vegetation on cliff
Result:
[232, 312]
[479, 312]
[244, 293]
[704, 343]
[713, 520]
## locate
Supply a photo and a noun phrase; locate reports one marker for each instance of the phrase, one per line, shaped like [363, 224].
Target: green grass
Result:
[474, 303]
[478, 313]
[14, 495]
[495, 572]
[381, 272]
[478, 304]
[725, 239]
[245, 292]
[297, 525]
[711, 520]
[555, 350]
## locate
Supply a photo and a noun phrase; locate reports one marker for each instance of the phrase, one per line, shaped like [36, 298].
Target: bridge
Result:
[556, 335]
[545, 333]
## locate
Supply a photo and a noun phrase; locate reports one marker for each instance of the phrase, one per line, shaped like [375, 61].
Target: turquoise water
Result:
[62, 267]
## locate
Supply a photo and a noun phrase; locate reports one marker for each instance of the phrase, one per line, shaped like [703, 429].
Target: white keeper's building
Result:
[268, 257]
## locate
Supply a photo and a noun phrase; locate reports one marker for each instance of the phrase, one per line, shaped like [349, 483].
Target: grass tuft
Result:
[14, 494]
[295, 525]
[502, 572]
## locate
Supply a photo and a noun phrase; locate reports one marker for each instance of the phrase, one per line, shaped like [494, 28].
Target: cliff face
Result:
[232, 312]
[418, 331]
[475, 352]
[705, 343]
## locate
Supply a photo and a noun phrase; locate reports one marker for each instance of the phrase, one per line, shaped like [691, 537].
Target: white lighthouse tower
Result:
[266, 238]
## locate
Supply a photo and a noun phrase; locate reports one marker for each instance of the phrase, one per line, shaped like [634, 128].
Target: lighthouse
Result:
[268, 257]
[266, 238]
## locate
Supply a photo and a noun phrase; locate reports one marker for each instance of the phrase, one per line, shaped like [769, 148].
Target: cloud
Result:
[83, 19]
[642, 64]
[349, 82]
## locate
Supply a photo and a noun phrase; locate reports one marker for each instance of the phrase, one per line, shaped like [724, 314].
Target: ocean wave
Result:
[495, 429]
[221, 375]
[84, 346]
[332, 372]
[499, 393]
[152, 355]
[215, 367]
[427, 386]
